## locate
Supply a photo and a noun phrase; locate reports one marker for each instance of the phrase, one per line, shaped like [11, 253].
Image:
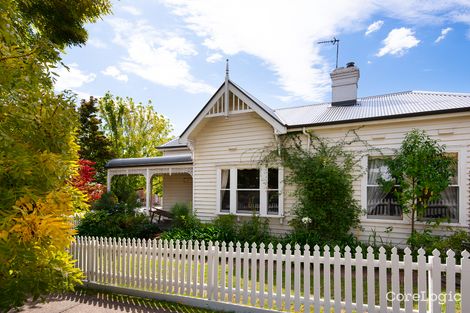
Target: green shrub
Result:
[105, 224]
[223, 228]
[255, 229]
[111, 218]
[457, 242]
[108, 200]
[304, 236]
[227, 227]
[183, 217]
[124, 187]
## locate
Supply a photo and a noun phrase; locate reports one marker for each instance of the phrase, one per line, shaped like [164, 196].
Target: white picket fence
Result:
[279, 278]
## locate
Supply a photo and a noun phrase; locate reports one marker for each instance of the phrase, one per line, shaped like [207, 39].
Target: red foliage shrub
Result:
[85, 181]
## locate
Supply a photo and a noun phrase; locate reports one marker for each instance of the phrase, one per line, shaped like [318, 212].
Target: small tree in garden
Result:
[135, 130]
[94, 145]
[85, 181]
[422, 170]
[323, 177]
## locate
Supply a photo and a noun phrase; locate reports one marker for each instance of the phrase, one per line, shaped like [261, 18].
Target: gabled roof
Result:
[381, 107]
[388, 106]
[172, 144]
[155, 161]
[257, 106]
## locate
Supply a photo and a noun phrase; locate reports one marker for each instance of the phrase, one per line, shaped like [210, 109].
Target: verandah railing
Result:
[281, 278]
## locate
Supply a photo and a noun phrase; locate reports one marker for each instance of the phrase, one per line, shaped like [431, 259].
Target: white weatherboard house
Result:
[214, 164]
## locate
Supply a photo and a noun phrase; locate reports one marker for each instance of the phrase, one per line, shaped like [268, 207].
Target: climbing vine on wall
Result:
[323, 173]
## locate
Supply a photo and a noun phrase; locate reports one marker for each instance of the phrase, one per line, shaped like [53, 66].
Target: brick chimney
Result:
[344, 85]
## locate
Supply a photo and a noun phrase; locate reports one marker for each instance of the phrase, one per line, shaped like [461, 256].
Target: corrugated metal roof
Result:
[155, 161]
[394, 105]
[174, 143]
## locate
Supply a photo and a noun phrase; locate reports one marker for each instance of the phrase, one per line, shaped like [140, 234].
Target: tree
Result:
[38, 153]
[85, 181]
[421, 169]
[93, 143]
[135, 130]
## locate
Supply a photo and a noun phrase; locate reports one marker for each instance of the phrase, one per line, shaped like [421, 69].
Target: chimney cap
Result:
[350, 64]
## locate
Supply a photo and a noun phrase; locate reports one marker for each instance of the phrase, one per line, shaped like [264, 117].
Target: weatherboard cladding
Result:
[393, 105]
[155, 161]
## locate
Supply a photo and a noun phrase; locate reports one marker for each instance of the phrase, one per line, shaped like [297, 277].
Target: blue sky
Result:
[173, 52]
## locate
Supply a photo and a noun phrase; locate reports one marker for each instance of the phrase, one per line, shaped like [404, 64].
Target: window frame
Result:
[258, 190]
[463, 192]
[377, 217]
[263, 190]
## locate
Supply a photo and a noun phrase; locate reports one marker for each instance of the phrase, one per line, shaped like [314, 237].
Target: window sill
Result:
[251, 214]
[403, 222]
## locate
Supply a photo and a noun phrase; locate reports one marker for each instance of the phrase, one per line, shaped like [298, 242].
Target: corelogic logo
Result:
[423, 296]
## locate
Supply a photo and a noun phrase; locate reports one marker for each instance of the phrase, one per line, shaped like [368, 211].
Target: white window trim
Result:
[463, 192]
[263, 190]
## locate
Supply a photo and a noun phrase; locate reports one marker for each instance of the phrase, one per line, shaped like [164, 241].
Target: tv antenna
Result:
[334, 41]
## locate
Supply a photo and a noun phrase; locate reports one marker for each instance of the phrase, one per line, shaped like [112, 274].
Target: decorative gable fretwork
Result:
[236, 105]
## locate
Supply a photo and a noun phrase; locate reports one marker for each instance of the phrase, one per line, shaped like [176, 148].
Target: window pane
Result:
[273, 178]
[446, 208]
[248, 179]
[225, 179]
[247, 201]
[225, 200]
[376, 169]
[454, 180]
[381, 204]
[273, 202]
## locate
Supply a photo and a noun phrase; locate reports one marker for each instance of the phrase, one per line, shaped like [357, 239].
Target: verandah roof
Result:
[153, 161]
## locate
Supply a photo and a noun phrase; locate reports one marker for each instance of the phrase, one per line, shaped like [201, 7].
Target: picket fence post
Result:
[465, 282]
[434, 282]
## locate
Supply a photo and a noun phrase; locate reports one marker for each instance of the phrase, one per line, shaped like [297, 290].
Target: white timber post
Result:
[148, 189]
[108, 181]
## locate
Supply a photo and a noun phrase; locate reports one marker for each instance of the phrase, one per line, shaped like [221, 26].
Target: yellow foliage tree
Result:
[38, 153]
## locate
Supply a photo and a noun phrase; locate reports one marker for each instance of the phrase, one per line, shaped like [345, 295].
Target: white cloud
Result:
[213, 58]
[97, 43]
[374, 27]
[284, 38]
[114, 72]
[156, 55]
[443, 35]
[72, 78]
[131, 10]
[398, 42]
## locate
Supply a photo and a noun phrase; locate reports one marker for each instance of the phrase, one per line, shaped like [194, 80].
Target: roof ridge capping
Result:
[444, 93]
